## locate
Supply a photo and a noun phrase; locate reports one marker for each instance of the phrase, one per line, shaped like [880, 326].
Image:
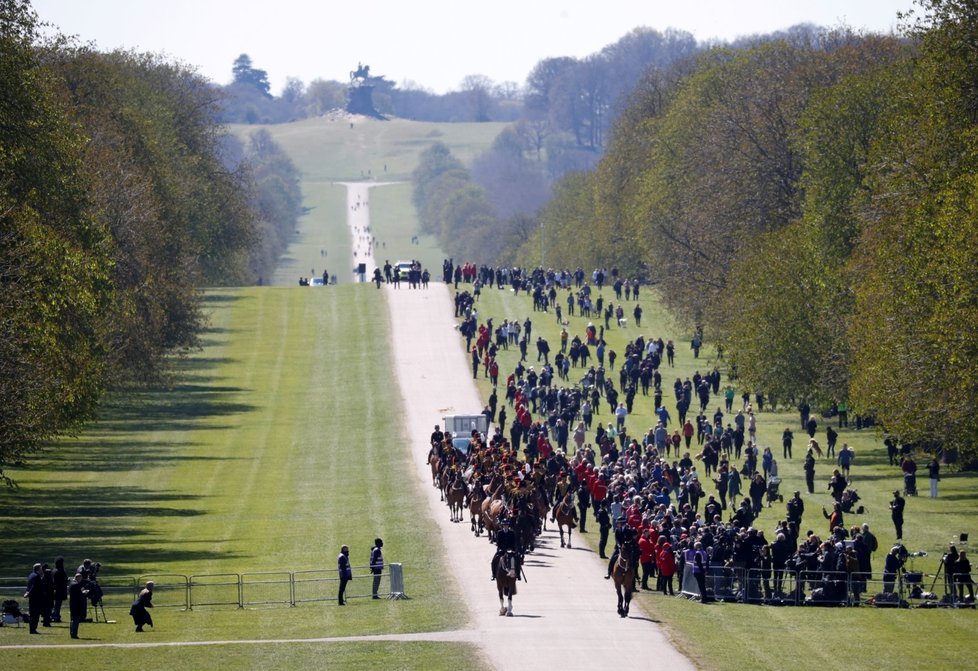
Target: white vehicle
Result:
[317, 282]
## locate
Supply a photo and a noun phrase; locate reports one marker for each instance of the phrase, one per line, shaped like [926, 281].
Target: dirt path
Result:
[358, 219]
[565, 613]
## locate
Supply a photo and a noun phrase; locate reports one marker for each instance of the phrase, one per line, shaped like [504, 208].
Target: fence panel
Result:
[217, 589]
[319, 585]
[722, 584]
[266, 589]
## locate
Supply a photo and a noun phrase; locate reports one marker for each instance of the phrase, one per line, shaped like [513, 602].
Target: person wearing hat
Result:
[624, 533]
[896, 513]
[505, 541]
[377, 564]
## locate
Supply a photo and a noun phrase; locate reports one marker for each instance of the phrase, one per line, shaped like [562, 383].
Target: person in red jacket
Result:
[599, 492]
[666, 563]
[646, 557]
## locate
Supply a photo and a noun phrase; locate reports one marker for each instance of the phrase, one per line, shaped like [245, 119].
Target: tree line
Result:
[810, 204]
[120, 196]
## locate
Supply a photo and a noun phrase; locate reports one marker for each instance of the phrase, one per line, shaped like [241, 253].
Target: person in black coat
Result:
[139, 612]
[60, 588]
[345, 572]
[810, 471]
[36, 598]
[896, 513]
[77, 603]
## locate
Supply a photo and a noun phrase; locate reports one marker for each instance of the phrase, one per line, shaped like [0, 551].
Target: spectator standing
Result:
[60, 588]
[35, 596]
[896, 513]
[377, 564]
[77, 603]
[934, 471]
[345, 573]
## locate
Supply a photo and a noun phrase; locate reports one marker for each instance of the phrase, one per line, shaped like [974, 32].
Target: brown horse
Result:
[476, 496]
[493, 509]
[623, 575]
[566, 516]
[507, 573]
[443, 481]
[455, 494]
[435, 462]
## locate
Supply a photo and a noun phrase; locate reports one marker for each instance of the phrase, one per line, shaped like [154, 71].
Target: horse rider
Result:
[505, 541]
[623, 534]
[563, 495]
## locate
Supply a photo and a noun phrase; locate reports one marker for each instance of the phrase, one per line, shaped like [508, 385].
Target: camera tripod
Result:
[96, 608]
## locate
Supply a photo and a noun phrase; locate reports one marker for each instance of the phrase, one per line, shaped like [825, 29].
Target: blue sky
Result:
[434, 43]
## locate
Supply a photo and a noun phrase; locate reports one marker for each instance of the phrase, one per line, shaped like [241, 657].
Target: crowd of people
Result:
[48, 589]
[696, 489]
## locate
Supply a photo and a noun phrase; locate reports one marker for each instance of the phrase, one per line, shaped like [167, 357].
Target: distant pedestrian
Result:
[934, 471]
[377, 564]
[345, 573]
[77, 603]
[36, 598]
[896, 513]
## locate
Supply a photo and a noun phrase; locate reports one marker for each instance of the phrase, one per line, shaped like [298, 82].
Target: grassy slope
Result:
[330, 151]
[277, 444]
[728, 636]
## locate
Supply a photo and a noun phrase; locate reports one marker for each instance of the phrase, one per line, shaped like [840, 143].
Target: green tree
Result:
[246, 74]
[915, 341]
[54, 269]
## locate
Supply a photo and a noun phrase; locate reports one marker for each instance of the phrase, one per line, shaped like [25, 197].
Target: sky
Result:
[431, 43]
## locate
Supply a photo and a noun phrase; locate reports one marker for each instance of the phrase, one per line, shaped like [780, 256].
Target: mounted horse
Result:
[566, 516]
[435, 461]
[455, 493]
[623, 574]
[476, 496]
[507, 573]
[526, 526]
[493, 509]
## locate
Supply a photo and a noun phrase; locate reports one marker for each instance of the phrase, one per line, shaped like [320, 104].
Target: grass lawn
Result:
[276, 444]
[328, 151]
[735, 636]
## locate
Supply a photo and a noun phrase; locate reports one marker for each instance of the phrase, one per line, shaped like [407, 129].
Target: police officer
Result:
[505, 541]
[377, 564]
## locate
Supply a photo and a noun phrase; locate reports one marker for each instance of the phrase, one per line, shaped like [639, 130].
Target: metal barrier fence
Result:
[239, 590]
[819, 588]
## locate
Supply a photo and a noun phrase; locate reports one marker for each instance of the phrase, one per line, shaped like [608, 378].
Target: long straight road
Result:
[565, 611]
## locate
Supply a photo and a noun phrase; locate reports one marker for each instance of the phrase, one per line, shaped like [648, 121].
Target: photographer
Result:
[962, 576]
[894, 562]
[89, 573]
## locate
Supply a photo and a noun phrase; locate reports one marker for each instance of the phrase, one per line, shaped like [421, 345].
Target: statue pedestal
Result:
[361, 101]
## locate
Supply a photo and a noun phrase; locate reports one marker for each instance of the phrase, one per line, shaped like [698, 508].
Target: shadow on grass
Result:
[119, 524]
[98, 522]
[215, 297]
[108, 456]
